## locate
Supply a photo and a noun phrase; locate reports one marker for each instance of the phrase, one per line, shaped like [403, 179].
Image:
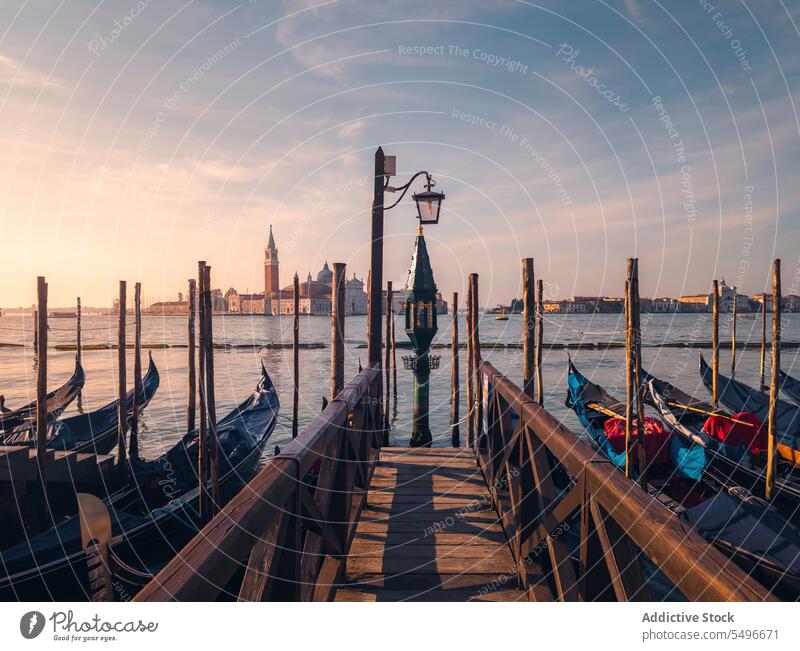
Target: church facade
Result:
[315, 294]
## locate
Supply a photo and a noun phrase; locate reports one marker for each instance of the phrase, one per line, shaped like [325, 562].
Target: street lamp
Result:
[428, 203]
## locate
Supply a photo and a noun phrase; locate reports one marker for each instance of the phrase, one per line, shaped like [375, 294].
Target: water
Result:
[237, 369]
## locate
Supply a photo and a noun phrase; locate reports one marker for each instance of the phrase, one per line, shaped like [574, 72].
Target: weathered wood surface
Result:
[429, 532]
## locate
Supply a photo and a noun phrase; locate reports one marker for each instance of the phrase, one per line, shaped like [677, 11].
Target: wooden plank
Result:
[424, 564]
[393, 596]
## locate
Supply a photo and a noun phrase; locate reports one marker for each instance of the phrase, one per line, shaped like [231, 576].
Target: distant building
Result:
[169, 308]
[355, 298]
[217, 301]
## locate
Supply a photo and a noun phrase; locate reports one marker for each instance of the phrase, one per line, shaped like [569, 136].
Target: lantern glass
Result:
[428, 205]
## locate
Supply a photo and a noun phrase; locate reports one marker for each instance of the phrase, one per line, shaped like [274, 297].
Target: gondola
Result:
[739, 397]
[790, 386]
[95, 432]
[743, 526]
[730, 465]
[152, 517]
[57, 402]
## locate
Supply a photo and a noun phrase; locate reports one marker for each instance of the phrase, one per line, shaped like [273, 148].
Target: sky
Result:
[138, 137]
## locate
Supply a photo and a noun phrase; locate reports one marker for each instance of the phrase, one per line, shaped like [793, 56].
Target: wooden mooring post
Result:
[122, 415]
[394, 374]
[476, 351]
[774, 372]
[387, 358]
[78, 329]
[715, 342]
[376, 262]
[296, 353]
[539, 339]
[210, 396]
[733, 335]
[204, 508]
[528, 327]
[634, 405]
[338, 310]
[762, 386]
[470, 370]
[137, 370]
[40, 328]
[191, 409]
[455, 393]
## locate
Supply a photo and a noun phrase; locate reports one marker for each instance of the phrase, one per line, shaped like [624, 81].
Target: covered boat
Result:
[152, 518]
[748, 529]
[95, 431]
[57, 402]
[790, 386]
[739, 397]
[733, 443]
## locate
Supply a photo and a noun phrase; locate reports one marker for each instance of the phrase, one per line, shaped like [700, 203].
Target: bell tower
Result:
[271, 283]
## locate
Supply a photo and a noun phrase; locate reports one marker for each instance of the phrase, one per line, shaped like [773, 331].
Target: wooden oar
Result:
[710, 413]
[603, 410]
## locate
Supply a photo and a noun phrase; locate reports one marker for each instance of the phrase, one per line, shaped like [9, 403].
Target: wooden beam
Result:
[137, 370]
[715, 342]
[387, 359]
[470, 370]
[455, 393]
[41, 392]
[539, 339]
[338, 311]
[733, 336]
[528, 327]
[296, 353]
[762, 386]
[376, 262]
[191, 409]
[122, 416]
[210, 397]
[202, 441]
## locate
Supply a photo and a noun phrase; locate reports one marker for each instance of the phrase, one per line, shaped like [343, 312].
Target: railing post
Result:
[476, 351]
[338, 310]
[775, 370]
[387, 359]
[454, 390]
[202, 441]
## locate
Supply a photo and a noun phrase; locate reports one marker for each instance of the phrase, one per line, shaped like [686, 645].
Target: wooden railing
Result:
[522, 449]
[285, 536]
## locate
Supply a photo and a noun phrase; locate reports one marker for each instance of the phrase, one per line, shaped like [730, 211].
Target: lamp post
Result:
[421, 288]
[421, 327]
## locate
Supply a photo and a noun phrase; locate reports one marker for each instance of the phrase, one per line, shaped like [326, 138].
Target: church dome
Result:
[325, 275]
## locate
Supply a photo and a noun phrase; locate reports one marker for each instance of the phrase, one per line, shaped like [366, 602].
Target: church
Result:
[315, 295]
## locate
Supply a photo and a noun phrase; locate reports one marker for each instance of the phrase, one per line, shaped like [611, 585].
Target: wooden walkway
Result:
[429, 532]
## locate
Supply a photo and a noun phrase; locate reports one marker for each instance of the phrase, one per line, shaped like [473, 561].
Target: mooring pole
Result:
[338, 311]
[454, 379]
[387, 358]
[528, 327]
[733, 336]
[376, 262]
[211, 407]
[774, 371]
[40, 327]
[394, 373]
[78, 329]
[191, 409]
[539, 339]
[137, 370]
[476, 351]
[629, 405]
[122, 412]
[202, 434]
[762, 386]
[470, 369]
[715, 342]
[636, 343]
[296, 353]
[36, 332]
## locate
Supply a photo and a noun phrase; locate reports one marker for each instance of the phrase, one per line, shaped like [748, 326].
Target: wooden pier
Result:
[429, 532]
[335, 516]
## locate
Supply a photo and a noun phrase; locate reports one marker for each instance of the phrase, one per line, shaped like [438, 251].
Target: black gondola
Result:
[95, 432]
[152, 518]
[743, 526]
[57, 402]
[790, 386]
[739, 397]
[729, 465]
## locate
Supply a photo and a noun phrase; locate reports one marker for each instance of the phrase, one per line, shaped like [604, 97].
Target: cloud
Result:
[11, 72]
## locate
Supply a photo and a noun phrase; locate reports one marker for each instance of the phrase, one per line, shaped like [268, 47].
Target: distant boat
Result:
[501, 317]
[63, 315]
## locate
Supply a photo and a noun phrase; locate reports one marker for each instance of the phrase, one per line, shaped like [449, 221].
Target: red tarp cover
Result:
[656, 438]
[753, 435]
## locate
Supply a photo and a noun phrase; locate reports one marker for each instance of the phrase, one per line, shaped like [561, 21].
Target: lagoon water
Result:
[237, 368]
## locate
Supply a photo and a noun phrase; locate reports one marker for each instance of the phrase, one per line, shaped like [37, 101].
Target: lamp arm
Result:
[405, 187]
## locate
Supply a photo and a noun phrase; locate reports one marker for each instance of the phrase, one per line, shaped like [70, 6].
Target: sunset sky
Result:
[139, 137]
